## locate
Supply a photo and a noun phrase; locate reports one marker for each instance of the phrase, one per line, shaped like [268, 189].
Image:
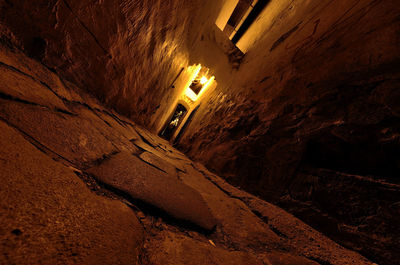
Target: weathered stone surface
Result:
[300, 238]
[356, 207]
[318, 89]
[240, 226]
[141, 181]
[22, 87]
[71, 137]
[118, 125]
[179, 161]
[171, 249]
[116, 134]
[96, 44]
[89, 134]
[48, 216]
[17, 61]
[279, 258]
[159, 163]
[160, 144]
[76, 132]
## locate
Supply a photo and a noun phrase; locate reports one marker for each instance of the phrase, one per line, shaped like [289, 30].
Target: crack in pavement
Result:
[10, 67]
[44, 149]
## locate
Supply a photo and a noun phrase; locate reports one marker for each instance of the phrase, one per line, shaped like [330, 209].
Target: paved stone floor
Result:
[81, 184]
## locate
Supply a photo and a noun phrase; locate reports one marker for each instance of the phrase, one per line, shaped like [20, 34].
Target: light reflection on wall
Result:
[192, 85]
[225, 13]
[204, 81]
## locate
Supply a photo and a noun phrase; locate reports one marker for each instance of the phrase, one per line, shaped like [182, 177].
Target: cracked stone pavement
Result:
[81, 184]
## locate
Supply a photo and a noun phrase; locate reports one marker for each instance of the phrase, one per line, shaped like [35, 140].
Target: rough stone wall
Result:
[82, 184]
[320, 89]
[313, 105]
[124, 52]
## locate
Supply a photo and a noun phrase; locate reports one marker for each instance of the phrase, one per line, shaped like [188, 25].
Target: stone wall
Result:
[125, 52]
[316, 92]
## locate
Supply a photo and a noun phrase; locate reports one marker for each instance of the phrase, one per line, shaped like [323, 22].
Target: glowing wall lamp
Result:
[198, 85]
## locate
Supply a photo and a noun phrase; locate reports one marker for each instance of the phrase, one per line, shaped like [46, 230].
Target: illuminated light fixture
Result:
[203, 80]
[202, 84]
[189, 93]
[206, 85]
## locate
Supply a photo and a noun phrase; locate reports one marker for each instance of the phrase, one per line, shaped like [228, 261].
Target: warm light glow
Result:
[189, 93]
[204, 81]
[206, 85]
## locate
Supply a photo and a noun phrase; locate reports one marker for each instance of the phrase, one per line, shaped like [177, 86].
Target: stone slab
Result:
[78, 139]
[141, 181]
[159, 163]
[172, 249]
[49, 216]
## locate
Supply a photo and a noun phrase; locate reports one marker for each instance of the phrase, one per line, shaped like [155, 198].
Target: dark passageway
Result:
[200, 132]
